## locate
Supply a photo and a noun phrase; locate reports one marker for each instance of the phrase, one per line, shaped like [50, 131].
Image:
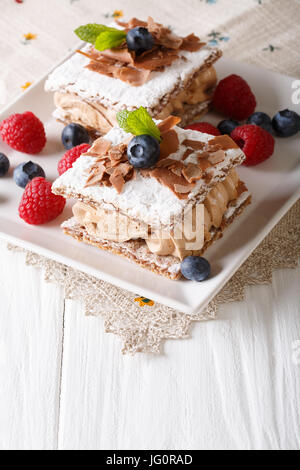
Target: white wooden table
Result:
[64, 383]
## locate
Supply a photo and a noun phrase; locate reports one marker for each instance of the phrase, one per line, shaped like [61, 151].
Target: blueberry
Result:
[261, 120]
[227, 126]
[195, 268]
[139, 40]
[25, 172]
[143, 151]
[73, 135]
[286, 123]
[4, 164]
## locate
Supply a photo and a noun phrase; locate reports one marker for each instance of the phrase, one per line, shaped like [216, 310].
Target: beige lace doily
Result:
[143, 326]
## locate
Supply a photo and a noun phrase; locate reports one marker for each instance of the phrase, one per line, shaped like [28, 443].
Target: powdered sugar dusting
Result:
[142, 198]
[73, 77]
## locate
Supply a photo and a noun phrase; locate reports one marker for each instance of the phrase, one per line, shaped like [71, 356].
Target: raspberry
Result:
[256, 143]
[234, 98]
[38, 204]
[24, 132]
[205, 127]
[70, 157]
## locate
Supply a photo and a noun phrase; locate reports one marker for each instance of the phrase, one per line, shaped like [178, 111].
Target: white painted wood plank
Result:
[30, 355]
[232, 386]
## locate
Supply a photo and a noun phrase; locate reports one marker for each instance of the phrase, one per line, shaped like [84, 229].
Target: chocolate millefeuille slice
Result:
[159, 215]
[175, 76]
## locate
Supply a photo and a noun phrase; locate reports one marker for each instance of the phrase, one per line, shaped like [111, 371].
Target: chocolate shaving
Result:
[100, 147]
[133, 76]
[112, 167]
[94, 180]
[123, 169]
[181, 189]
[170, 163]
[133, 23]
[208, 177]
[93, 154]
[170, 180]
[122, 55]
[194, 144]
[217, 157]
[117, 152]
[164, 36]
[122, 173]
[168, 124]
[176, 171]
[177, 164]
[213, 148]
[90, 55]
[156, 59]
[166, 163]
[104, 68]
[225, 142]
[96, 175]
[191, 43]
[117, 182]
[201, 155]
[169, 144]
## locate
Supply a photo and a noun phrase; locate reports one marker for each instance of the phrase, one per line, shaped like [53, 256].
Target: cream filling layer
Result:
[96, 116]
[187, 238]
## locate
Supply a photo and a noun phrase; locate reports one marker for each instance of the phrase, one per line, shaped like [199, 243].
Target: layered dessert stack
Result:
[133, 64]
[154, 203]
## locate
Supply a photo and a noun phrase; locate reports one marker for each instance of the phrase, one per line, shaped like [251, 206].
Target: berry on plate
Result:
[256, 143]
[24, 132]
[195, 268]
[38, 204]
[143, 151]
[227, 126]
[205, 127]
[70, 157]
[234, 98]
[73, 135]
[4, 164]
[286, 123]
[262, 120]
[139, 40]
[26, 171]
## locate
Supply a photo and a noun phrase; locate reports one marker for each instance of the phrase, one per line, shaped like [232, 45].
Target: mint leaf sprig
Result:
[101, 36]
[138, 122]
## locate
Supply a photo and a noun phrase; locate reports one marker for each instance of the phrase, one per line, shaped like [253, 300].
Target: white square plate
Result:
[274, 186]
